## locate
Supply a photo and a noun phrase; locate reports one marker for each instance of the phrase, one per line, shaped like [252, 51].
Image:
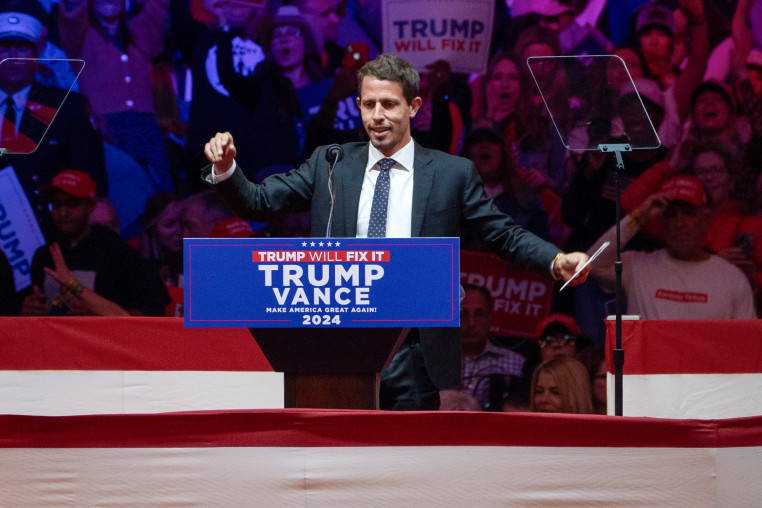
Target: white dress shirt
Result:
[400, 209]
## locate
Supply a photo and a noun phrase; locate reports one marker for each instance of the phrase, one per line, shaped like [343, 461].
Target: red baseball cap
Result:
[685, 188]
[567, 322]
[73, 182]
[232, 228]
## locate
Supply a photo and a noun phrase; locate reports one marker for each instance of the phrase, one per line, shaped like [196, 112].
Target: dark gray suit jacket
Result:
[447, 197]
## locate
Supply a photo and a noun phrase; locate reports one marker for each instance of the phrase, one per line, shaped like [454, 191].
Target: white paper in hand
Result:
[600, 249]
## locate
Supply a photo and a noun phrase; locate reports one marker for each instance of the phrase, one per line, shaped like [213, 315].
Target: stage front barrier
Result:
[312, 458]
[689, 368]
[98, 365]
[327, 312]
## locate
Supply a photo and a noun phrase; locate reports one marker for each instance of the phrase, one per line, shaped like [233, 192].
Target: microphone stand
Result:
[338, 154]
[618, 353]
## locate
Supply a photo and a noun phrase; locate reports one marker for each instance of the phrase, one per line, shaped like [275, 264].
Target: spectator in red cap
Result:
[557, 336]
[682, 281]
[732, 233]
[232, 228]
[89, 270]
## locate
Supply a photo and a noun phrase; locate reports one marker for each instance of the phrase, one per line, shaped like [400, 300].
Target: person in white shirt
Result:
[682, 281]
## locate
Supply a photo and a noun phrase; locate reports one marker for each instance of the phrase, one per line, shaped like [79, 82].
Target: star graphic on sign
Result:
[312, 244]
[336, 244]
[304, 244]
[320, 244]
[330, 244]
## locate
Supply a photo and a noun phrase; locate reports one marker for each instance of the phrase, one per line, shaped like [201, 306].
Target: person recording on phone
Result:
[391, 187]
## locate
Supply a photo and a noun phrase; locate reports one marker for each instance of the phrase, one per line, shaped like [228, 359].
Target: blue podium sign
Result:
[322, 282]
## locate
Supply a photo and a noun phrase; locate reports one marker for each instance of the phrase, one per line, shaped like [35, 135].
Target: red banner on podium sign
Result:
[520, 298]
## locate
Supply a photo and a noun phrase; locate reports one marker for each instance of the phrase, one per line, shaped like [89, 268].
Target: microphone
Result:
[333, 154]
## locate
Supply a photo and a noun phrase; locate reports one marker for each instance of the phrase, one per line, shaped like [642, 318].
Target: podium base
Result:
[331, 391]
[335, 368]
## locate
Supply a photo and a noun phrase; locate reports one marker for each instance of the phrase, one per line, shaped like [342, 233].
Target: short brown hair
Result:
[388, 67]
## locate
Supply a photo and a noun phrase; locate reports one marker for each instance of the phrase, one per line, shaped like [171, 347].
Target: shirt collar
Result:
[19, 98]
[404, 156]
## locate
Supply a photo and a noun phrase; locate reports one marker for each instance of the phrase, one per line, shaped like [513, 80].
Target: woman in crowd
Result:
[161, 242]
[732, 234]
[486, 148]
[561, 385]
[504, 98]
[506, 102]
[552, 84]
[118, 51]
[293, 48]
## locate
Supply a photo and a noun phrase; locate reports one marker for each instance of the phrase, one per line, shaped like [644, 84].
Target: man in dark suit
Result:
[430, 194]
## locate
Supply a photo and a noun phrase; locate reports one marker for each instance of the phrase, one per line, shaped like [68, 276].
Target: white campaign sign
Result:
[425, 31]
[20, 234]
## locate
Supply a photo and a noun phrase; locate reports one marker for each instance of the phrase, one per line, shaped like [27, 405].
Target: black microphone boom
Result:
[334, 153]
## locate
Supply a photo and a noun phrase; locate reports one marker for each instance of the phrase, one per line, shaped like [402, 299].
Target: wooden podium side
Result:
[330, 368]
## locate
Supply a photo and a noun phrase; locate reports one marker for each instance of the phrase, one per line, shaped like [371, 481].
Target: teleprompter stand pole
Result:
[617, 149]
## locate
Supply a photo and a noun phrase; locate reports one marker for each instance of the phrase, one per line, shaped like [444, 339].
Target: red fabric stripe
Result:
[731, 346]
[132, 343]
[318, 428]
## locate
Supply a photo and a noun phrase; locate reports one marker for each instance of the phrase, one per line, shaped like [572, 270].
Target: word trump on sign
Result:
[425, 31]
[520, 299]
[333, 282]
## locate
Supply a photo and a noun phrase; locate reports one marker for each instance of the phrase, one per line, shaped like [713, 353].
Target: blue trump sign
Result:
[321, 282]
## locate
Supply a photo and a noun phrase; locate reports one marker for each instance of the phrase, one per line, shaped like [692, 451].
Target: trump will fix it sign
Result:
[424, 31]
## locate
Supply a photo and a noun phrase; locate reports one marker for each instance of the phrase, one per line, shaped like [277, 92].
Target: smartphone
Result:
[356, 55]
[746, 242]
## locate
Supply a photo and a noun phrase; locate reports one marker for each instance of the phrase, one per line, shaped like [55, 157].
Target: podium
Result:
[330, 368]
[328, 313]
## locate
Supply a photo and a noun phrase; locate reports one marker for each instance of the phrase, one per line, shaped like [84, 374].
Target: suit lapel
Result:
[423, 179]
[352, 174]
[35, 120]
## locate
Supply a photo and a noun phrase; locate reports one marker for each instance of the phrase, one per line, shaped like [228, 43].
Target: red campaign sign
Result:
[520, 298]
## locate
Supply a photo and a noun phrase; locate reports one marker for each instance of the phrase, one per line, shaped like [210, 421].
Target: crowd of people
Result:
[115, 185]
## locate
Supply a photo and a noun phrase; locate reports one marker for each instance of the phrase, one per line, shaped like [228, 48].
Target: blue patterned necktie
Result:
[377, 225]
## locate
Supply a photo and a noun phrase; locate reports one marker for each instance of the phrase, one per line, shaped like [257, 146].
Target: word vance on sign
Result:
[336, 282]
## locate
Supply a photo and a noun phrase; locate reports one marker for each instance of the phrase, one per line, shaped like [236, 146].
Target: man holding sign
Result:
[426, 193]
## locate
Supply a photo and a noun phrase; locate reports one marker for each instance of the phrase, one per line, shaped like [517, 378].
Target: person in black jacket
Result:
[94, 255]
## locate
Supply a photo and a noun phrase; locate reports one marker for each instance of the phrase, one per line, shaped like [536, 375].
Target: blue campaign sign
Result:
[321, 282]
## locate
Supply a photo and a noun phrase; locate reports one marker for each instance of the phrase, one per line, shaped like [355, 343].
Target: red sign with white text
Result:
[520, 298]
